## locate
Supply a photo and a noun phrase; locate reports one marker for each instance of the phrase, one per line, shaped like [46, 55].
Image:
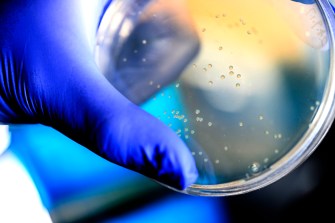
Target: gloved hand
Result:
[48, 75]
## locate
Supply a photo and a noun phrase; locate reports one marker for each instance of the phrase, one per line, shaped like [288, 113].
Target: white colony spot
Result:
[255, 167]
[177, 85]
[180, 117]
[210, 124]
[144, 42]
[199, 119]
[205, 160]
[192, 132]
[217, 161]
[278, 136]
[226, 148]
[200, 153]
[197, 111]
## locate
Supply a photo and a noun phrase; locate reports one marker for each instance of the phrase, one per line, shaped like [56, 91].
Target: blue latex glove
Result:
[305, 1]
[48, 75]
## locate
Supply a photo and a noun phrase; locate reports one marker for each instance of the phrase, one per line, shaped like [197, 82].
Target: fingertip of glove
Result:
[179, 182]
[183, 175]
[190, 179]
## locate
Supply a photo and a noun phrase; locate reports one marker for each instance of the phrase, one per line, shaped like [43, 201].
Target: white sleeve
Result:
[19, 198]
[4, 138]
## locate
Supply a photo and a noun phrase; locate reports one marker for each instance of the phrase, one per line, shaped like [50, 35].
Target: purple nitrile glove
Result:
[48, 75]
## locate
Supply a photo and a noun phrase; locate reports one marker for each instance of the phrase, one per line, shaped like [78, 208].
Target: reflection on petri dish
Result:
[247, 86]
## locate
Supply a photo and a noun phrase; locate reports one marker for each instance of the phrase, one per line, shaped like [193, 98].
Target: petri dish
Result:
[248, 86]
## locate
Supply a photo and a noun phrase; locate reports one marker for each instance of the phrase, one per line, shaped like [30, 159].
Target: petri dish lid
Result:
[248, 86]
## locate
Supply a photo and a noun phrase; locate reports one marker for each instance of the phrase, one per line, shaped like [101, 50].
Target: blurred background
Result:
[43, 173]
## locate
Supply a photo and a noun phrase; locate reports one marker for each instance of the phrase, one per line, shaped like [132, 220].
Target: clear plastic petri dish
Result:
[248, 86]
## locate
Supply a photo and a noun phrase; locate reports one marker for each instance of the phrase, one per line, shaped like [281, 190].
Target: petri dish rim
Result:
[306, 145]
[297, 155]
